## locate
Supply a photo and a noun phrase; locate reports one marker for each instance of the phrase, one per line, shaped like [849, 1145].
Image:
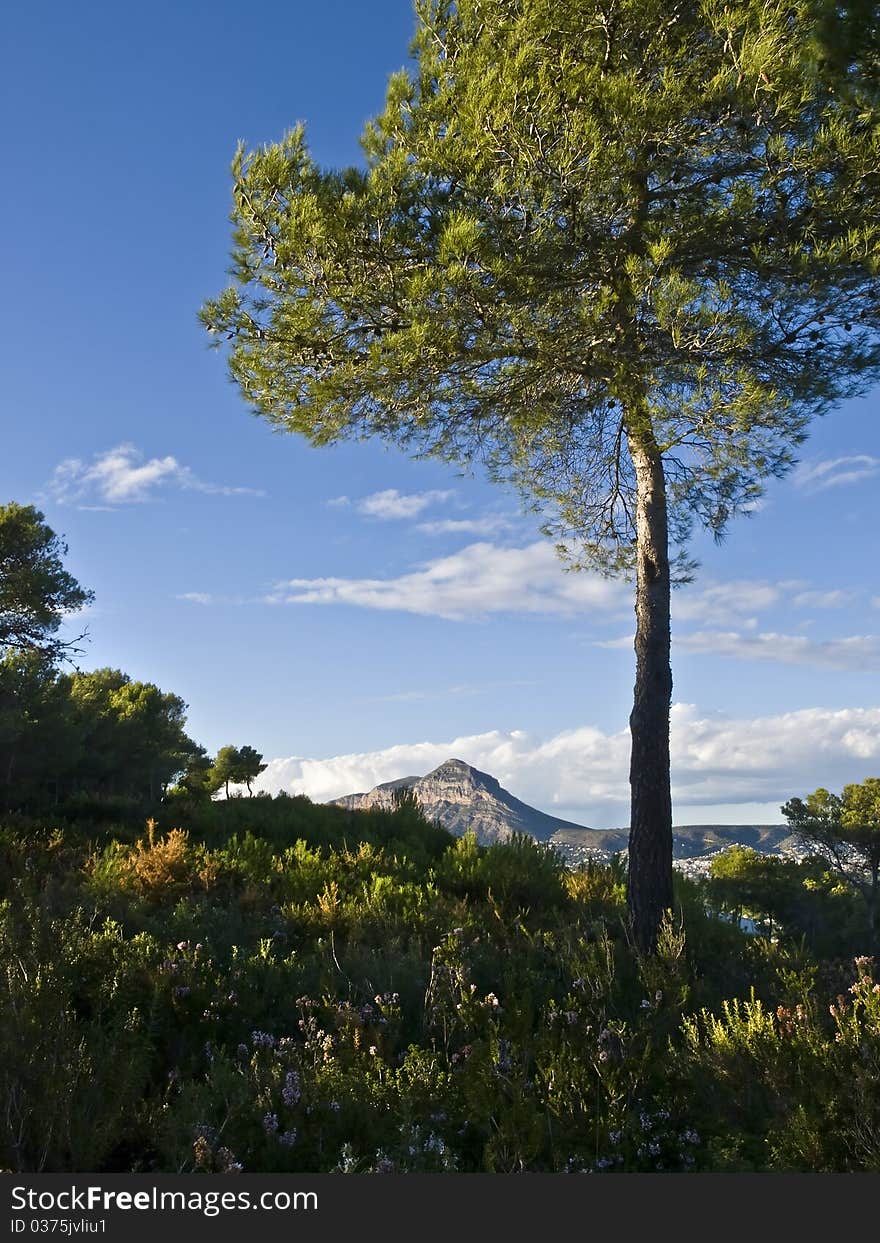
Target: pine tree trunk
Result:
[649, 881]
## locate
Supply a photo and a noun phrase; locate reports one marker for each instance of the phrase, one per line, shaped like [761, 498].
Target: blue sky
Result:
[354, 615]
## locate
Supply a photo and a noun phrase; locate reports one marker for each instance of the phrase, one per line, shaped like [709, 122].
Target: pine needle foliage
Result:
[617, 252]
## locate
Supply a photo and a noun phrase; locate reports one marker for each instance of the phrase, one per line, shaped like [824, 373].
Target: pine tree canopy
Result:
[36, 592]
[617, 251]
[579, 223]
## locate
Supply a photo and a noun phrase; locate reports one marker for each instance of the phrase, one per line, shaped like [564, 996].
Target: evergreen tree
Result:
[134, 740]
[250, 765]
[197, 781]
[844, 830]
[35, 589]
[618, 251]
[41, 743]
[236, 765]
[225, 768]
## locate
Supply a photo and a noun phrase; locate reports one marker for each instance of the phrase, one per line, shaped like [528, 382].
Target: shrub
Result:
[74, 1041]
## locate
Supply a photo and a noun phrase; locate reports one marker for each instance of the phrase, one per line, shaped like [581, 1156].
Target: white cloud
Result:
[836, 472]
[467, 689]
[583, 764]
[740, 598]
[859, 653]
[391, 504]
[718, 602]
[207, 598]
[121, 476]
[582, 774]
[480, 579]
[824, 599]
[489, 525]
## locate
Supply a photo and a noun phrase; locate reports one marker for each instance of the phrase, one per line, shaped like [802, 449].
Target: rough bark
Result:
[649, 882]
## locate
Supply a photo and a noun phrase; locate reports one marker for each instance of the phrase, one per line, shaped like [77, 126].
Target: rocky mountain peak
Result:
[458, 773]
[464, 799]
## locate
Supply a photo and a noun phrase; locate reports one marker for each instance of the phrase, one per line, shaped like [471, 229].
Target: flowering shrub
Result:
[154, 868]
[269, 1005]
[74, 1044]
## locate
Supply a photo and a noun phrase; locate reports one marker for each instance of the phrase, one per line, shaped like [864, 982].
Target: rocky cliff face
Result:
[462, 798]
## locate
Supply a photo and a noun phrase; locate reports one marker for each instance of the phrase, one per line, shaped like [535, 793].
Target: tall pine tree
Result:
[617, 251]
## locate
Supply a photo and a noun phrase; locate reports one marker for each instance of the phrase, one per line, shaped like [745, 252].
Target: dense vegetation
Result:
[101, 742]
[266, 984]
[274, 985]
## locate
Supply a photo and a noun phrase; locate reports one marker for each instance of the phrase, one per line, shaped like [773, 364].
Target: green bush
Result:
[352, 993]
[75, 1047]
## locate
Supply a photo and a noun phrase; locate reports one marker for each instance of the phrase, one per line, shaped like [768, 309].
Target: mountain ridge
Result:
[462, 799]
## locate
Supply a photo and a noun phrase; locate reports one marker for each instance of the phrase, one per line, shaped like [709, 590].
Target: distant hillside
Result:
[462, 798]
[689, 841]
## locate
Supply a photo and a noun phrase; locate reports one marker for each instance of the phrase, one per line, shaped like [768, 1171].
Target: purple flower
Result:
[270, 1123]
[291, 1091]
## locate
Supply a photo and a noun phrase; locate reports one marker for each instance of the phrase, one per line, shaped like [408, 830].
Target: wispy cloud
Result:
[739, 599]
[857, 653]
[719, 602]
[197, 597]
[465, 690]
[492, 524]
[585, 771]
[392, 505]
[824, 599]
[479, 580]
[121, 476]
[836, 472]
[208, 598]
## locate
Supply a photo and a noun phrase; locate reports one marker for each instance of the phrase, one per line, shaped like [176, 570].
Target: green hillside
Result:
[273, 985]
